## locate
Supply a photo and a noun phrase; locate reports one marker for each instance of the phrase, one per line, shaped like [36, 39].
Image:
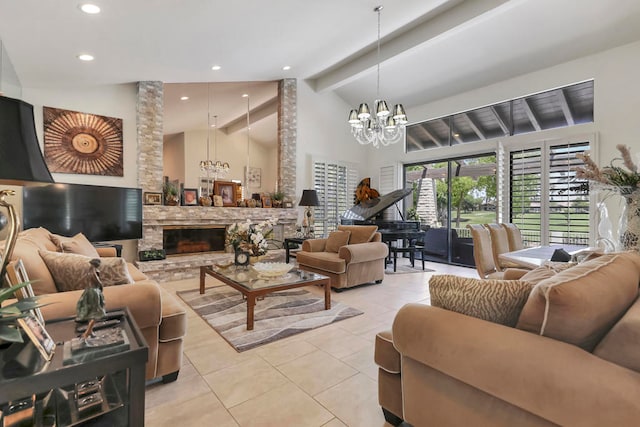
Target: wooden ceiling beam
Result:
[531, 115]
[566, 110]
[474, 125]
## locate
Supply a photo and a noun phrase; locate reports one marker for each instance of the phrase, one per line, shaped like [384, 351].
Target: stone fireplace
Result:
[184, 239]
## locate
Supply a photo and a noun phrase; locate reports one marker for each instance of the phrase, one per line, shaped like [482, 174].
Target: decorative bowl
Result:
[224, 263]
[272, 269]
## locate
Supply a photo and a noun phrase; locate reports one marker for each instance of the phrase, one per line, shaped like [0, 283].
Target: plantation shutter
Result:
[387, 185]
[546, 201]
[335, 183]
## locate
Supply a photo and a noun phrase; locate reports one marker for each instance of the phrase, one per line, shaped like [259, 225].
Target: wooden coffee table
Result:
[252, 286]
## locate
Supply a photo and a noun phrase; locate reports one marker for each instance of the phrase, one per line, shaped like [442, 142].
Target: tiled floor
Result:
[324, 377]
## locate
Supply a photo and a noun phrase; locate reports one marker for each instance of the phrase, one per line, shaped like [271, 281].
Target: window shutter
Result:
[335, 184]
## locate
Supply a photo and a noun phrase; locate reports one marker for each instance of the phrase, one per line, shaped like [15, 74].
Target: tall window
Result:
[335, 183]
[546, 201]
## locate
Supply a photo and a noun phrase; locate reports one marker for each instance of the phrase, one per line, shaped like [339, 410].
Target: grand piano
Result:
[370, 213]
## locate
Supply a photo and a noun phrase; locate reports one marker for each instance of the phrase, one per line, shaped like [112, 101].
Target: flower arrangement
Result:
[250, 237]
[625, 179]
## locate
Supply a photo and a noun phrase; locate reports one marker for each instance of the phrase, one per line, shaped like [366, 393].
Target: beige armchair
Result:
[351, 256]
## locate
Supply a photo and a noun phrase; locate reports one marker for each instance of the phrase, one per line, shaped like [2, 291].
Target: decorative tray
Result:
[272, 269]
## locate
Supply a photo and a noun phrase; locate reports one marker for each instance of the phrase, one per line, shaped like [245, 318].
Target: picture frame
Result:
[206, 186]
[38, 335]
[152, 198]
[254, 177]
[266, 202]
[287, 204]
[16, 273]
[227, 190]
[189, 197]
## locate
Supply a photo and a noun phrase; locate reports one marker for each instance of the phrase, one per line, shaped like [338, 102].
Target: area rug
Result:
[278, 315]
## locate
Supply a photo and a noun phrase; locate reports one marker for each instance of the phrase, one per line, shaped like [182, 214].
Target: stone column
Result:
[287, 136]
[149, 111]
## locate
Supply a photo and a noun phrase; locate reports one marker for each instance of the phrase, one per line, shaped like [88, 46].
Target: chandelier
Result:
[213, 169]
[383, 127]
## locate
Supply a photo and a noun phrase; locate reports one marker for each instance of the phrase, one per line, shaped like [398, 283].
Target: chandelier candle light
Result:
[384, 127]
[211, 169]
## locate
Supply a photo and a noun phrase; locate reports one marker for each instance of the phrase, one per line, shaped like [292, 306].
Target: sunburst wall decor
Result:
[82, 143]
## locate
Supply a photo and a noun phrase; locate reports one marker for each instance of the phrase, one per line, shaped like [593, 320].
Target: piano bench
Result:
[411, 250]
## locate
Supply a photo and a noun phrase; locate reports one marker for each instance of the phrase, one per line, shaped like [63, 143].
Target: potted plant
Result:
[171, 196]
[9, 315]
[277, 198]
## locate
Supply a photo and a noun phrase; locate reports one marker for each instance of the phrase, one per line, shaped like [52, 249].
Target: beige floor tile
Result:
[335, 423]
[213, 357]
[204, 410]
[244, 381]
[286, 406]
[277, 353]
[338, 343]
[354, 401]
[316, 371]
[363, 362]
[188, 385]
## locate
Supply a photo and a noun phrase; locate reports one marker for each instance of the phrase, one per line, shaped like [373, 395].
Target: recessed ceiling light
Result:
[286, 68]
[89, 8]
[245, 95]
[216, 67]
[85, 57]
[184, 98]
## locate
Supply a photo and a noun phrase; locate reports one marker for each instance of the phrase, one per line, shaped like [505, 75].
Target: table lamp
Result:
[21, 162]
[309, 199]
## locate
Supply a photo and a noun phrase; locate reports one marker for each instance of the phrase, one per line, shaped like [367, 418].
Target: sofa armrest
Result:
[142, 299]
[363, 252]
[559, 381]
[106, 252]
[314, 245]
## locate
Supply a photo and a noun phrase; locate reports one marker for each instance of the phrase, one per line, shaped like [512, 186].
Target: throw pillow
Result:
[336, 240]
[498, 301]
[72, 271]
[580, 304]
[77, 244]
[359, 233]
[545, 271]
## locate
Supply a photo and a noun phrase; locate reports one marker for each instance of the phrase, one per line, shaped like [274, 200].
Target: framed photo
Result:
[17, 274]
[152, 198]
[266, 201]
[287, 204]
[206, 186]
[254, 177]
[227, 190]
[38, 335]
[190, 197]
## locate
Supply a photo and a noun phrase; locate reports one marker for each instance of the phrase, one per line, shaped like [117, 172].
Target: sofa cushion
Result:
[545, 271]
[498, 301]
[336, 240]
[72, 272]
[579, 305]
[621, 345]
[77, 244]
[326, 261]
[359, 233]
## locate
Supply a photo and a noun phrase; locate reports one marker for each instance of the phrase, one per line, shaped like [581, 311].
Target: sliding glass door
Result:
[449, 195]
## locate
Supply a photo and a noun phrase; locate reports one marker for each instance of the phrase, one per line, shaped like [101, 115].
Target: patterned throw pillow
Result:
[498, 301]
[77, 244]
[72, 272]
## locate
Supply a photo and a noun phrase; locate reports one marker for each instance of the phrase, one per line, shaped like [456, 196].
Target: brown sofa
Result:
[159, 316]
[351, 256]
[572, 359]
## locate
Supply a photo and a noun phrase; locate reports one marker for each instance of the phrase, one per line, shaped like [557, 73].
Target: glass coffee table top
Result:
[251, 279]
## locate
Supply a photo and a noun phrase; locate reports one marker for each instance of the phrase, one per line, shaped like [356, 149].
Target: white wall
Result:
[173, 157]
[616, 99]
[323, 132]
[232, 148]
[114, 101]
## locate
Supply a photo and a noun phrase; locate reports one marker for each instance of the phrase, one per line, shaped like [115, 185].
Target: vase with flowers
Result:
[621, 179]
[249, 237]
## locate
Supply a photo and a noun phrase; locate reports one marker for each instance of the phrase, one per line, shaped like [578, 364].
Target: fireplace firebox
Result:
[181, 240]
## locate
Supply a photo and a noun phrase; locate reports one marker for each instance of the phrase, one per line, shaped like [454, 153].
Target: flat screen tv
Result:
[100, 213]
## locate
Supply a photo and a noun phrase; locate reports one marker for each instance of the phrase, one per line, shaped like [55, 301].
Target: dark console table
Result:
[54, 390]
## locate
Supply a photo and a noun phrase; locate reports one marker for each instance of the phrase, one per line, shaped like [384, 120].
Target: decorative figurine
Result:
[90, 306]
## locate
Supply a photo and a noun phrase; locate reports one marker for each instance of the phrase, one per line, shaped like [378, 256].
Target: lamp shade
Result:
[309, 198]
[20, 156]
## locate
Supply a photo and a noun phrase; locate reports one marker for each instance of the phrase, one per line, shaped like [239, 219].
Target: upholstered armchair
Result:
[351, 256]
